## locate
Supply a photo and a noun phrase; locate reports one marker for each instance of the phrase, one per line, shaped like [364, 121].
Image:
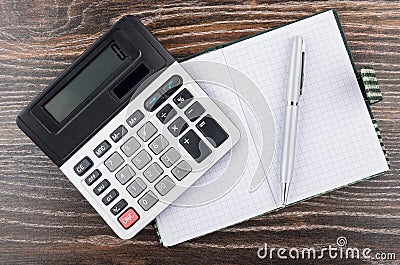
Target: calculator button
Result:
[135, 118]
[114, 161]
[154, 101]
[130, 147]
[212, 131]
[110, 196]
[147, 131]
[181, 170]
[83, 166]
[183, 98]
[166, 114]
[153, 172]
[101, 187]
[118, 133]
[148, 200]
[177, 126]
[158, 144]
[136, 187]
[170, 157]
[125, 174]
[173, 84]
[128, 218]
[102, 148]
[164, 185]
[194, 111]
[118, 207]
[95, 175]
[141, 159]
[196, 147]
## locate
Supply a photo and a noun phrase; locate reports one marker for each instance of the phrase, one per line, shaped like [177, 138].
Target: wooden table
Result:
[44, 220]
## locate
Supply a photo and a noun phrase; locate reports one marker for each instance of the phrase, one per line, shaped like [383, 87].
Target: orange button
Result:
[128, 218]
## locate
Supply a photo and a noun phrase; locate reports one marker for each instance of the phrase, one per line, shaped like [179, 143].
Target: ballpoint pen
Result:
[294, 91]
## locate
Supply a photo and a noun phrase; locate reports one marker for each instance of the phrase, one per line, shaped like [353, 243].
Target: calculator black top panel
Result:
[98, 85]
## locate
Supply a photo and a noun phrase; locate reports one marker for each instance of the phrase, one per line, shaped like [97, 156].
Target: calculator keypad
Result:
[147, 166]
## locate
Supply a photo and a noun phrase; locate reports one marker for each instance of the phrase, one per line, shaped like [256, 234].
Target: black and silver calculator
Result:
[128, 126]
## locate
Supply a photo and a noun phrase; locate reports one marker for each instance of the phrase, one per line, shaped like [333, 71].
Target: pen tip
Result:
[285, 189]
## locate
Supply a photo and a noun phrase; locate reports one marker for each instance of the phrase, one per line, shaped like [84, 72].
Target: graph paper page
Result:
[336, 141]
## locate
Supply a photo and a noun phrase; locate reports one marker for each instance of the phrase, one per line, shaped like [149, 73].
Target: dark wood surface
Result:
[44, 220]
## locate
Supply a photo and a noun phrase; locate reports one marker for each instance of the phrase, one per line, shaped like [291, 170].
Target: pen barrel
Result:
[289, 143]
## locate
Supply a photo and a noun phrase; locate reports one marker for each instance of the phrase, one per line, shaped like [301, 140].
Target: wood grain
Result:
[44, 220]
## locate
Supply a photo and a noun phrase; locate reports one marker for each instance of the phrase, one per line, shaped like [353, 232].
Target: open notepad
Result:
[336, 143]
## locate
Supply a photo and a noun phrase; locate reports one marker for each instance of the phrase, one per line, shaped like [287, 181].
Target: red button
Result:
[128, 218]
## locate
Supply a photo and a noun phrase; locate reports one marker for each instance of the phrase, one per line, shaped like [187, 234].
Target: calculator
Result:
[128, 126]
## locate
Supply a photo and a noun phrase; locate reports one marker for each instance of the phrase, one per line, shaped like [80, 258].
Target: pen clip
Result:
[302, 70]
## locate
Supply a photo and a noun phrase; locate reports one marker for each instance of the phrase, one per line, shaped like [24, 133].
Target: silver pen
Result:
[294, 91]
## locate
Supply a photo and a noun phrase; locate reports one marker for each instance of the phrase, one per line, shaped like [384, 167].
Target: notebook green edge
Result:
[366, 79]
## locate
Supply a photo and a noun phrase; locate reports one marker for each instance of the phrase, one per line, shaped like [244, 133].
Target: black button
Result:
[102, 148]
[154, 101]
[83, 166]
[178, 126]
[135, 118]
[166, 114]
[194, 111]
[183, 98]
[101, 187]
[172, 85]
[110, 196]
[212, 131]
[118, 207]
[95, 175]
[118, 133]
[196, 147]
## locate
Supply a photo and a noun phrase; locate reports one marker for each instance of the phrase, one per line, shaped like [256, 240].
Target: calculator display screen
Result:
[85, 82]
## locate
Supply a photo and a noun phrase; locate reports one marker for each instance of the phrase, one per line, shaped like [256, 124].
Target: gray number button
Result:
[114, 161]
[130, 146]
[125, 174]
[153, 172]
[158, 144]
[141, 159]
[170, 157]
[165, 185]
[181, 170]
[147, 131]
[148, 200]
[136, 187]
